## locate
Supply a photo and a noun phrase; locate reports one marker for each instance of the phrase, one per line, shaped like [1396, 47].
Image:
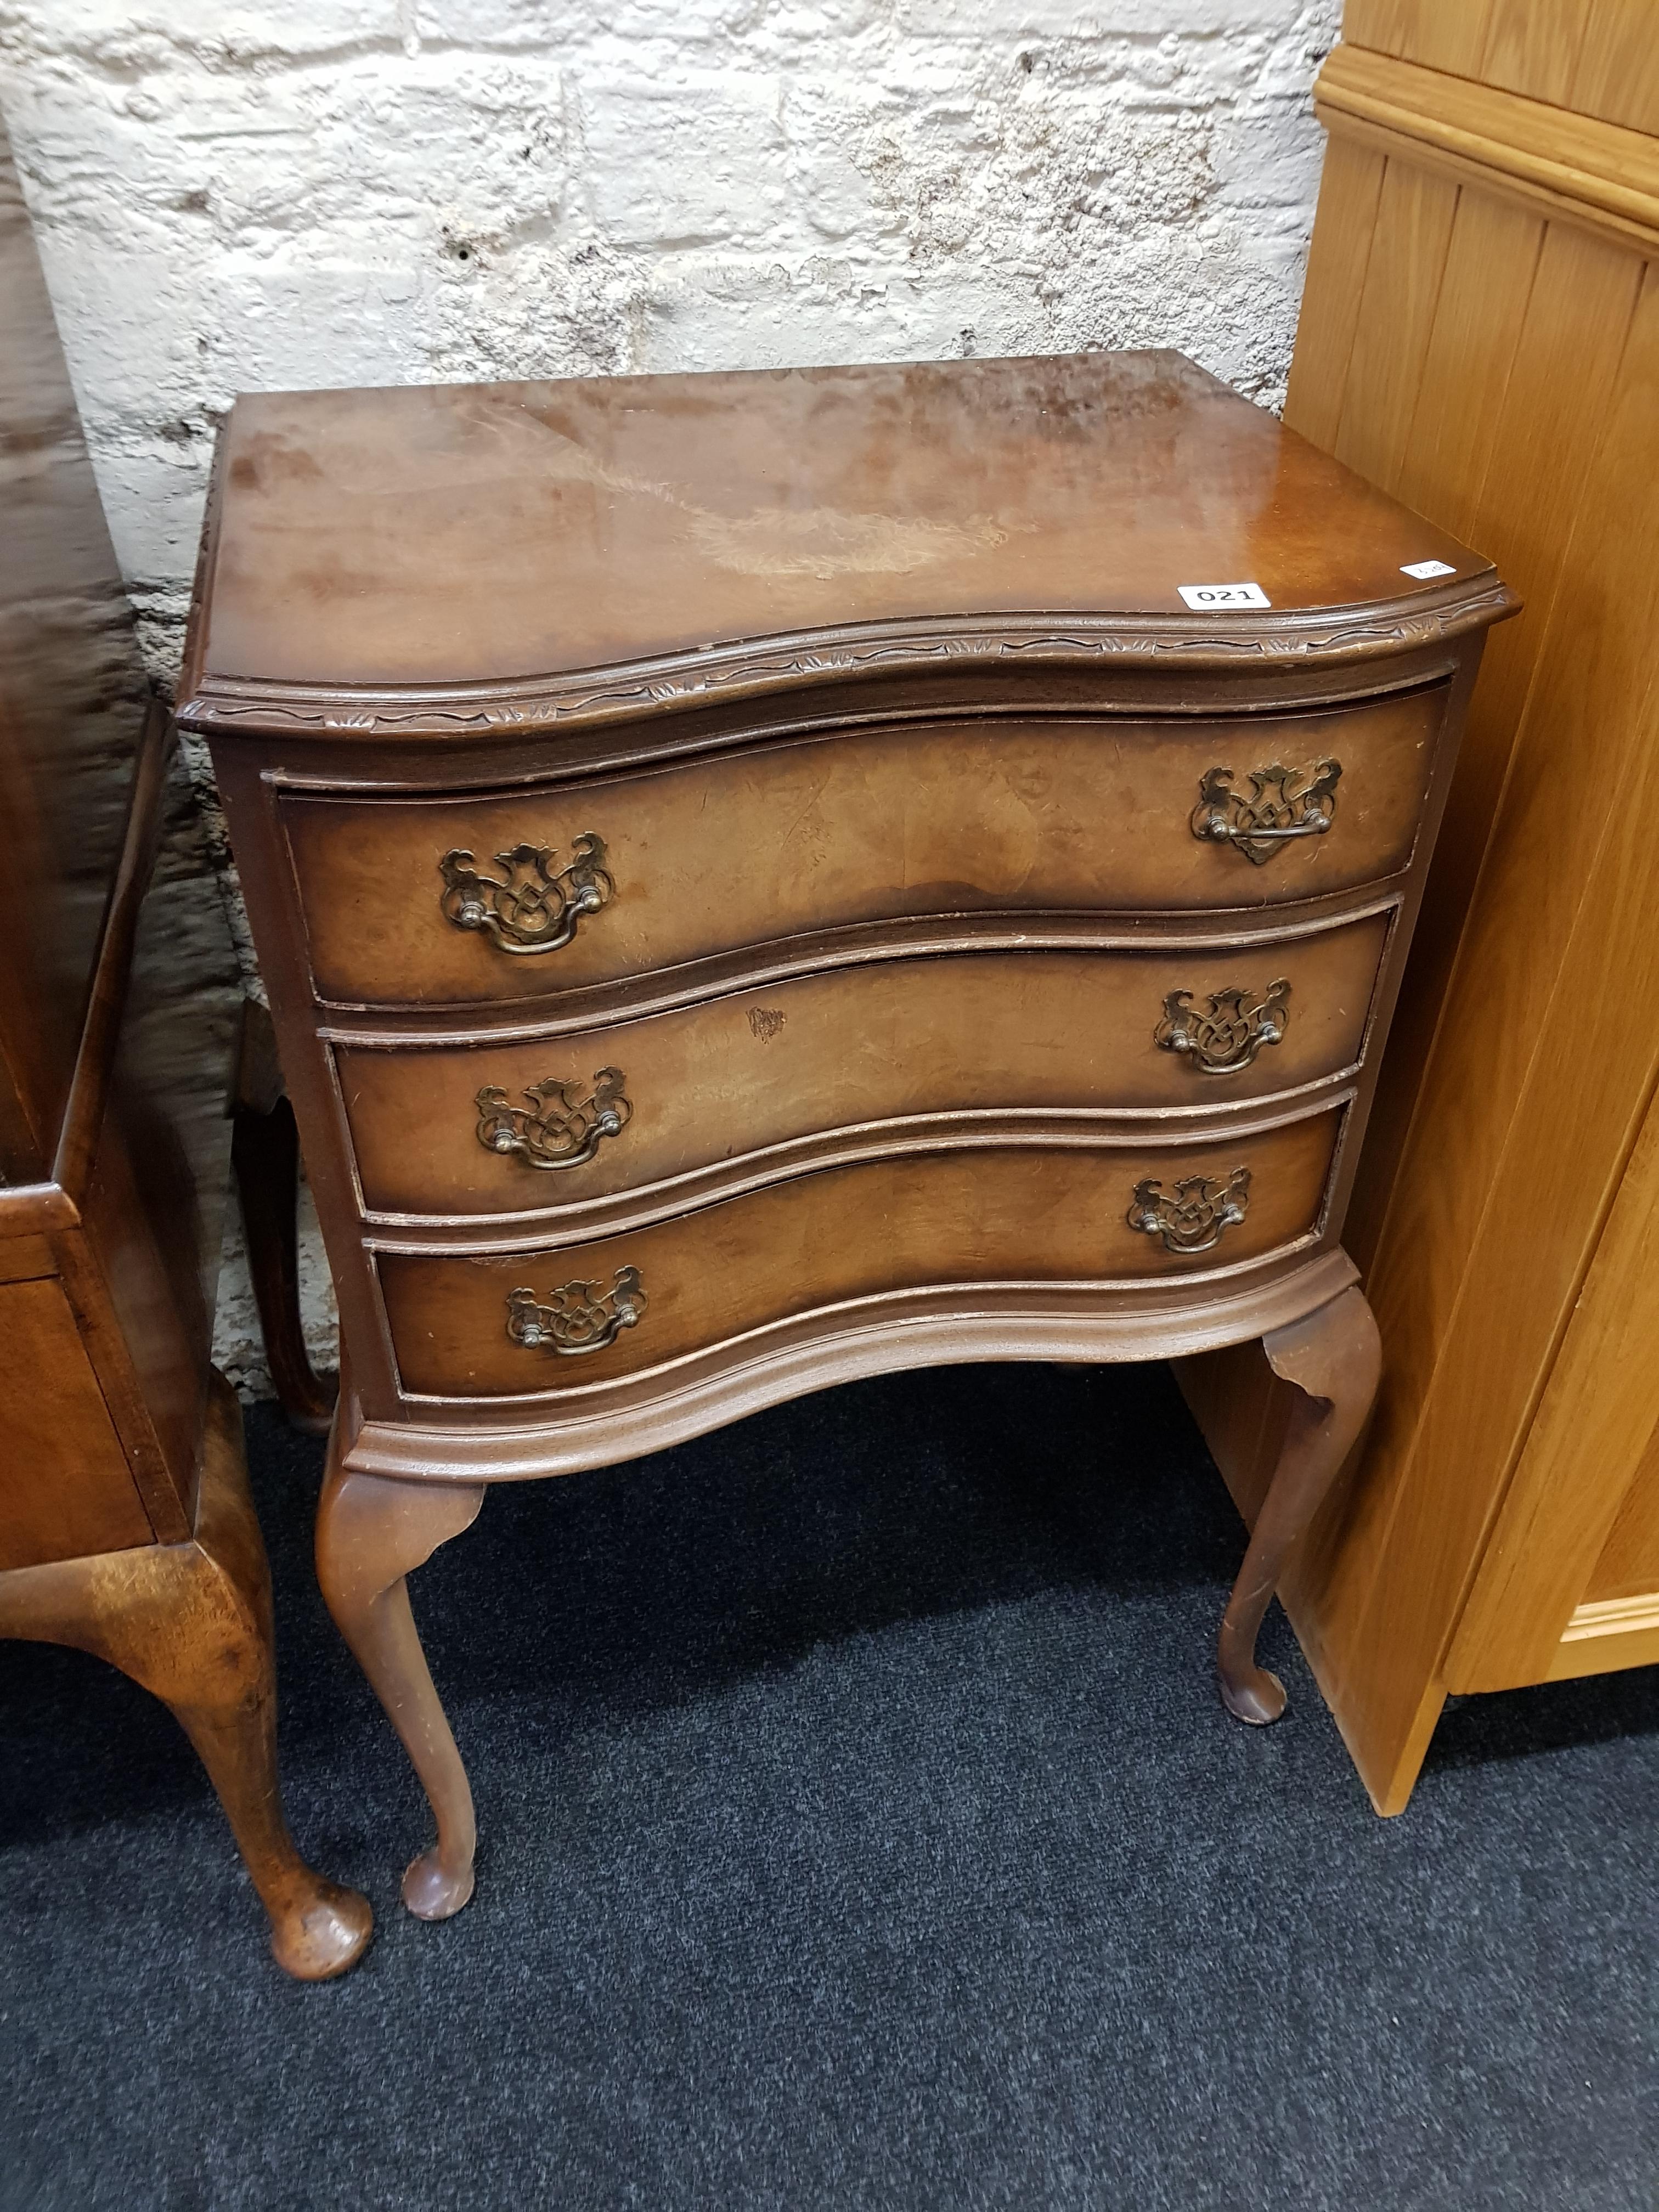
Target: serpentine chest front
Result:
[766, 878]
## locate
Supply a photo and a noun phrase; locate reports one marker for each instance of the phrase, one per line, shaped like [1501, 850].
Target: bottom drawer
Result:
[490, 1325]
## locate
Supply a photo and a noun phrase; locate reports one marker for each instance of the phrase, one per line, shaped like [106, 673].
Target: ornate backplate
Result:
[1228, 1036]
[1280, 805]
[562, 1124]
[1192, 1216]
[576, 1316]
[530, 906]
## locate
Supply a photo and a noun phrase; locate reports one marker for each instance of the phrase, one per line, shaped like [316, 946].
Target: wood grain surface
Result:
[1627, 1566]
[1597, 58]
[1016, 1213]
[190, 1622]
[1514, 132]
[447, 534]
[748, 848]
[1491, 1209]
[126, 1529]
[970, 1033]
[1579, 1522]
[65, 1485]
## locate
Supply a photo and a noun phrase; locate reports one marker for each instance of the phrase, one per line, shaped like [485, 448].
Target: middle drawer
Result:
[498, 1129]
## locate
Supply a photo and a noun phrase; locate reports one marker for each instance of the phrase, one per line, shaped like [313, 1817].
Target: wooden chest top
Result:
[477, 535]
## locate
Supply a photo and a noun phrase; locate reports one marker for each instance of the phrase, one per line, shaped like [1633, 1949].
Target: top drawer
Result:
[439, 901]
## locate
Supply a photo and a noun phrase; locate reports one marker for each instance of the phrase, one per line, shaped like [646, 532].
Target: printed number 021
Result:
[1203, 597]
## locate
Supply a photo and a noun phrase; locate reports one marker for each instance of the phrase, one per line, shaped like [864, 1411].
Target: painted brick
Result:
[686, 158]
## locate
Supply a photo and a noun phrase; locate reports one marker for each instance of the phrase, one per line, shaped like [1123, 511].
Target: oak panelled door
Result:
[1480, 336]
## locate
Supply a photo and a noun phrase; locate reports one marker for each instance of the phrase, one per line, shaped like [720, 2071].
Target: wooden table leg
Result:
[371, 1533]
[265, 1154]
[1333, 1355]
[191, 1622]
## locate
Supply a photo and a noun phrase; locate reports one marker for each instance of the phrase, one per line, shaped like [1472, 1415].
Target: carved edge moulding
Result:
[1376, 631]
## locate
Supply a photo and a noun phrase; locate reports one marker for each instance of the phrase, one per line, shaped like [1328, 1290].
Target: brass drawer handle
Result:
[1193, 1218]
[561, 1127]
[531, 907]
[576, 1317]
[1274, 812]
[1226, 1039]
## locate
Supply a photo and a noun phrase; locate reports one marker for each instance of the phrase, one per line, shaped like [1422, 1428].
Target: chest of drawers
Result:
[764, 879]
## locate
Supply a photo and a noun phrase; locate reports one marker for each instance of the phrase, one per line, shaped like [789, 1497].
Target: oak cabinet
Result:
[1480, 336]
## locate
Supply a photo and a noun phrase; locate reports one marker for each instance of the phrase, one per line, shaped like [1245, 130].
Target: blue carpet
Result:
[859, 1829]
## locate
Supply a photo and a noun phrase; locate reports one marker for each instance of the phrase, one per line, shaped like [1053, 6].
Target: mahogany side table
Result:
[764, 879]
[126, 1526]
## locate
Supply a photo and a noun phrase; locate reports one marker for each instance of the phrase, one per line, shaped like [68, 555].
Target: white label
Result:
[1428, 568]
[1206, 596]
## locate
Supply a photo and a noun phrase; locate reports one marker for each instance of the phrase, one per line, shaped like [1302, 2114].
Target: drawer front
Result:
[520, 1128]
[489, 1326]
[465, 901]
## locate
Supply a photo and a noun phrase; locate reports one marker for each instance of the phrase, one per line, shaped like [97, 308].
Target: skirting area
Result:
[860, 1828]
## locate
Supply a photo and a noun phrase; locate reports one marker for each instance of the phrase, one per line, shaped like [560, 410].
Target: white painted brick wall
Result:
[239, 194]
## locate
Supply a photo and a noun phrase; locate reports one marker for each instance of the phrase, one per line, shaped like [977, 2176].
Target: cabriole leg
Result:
[1334, 1357]
[372, 1532]
[192, 1623]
